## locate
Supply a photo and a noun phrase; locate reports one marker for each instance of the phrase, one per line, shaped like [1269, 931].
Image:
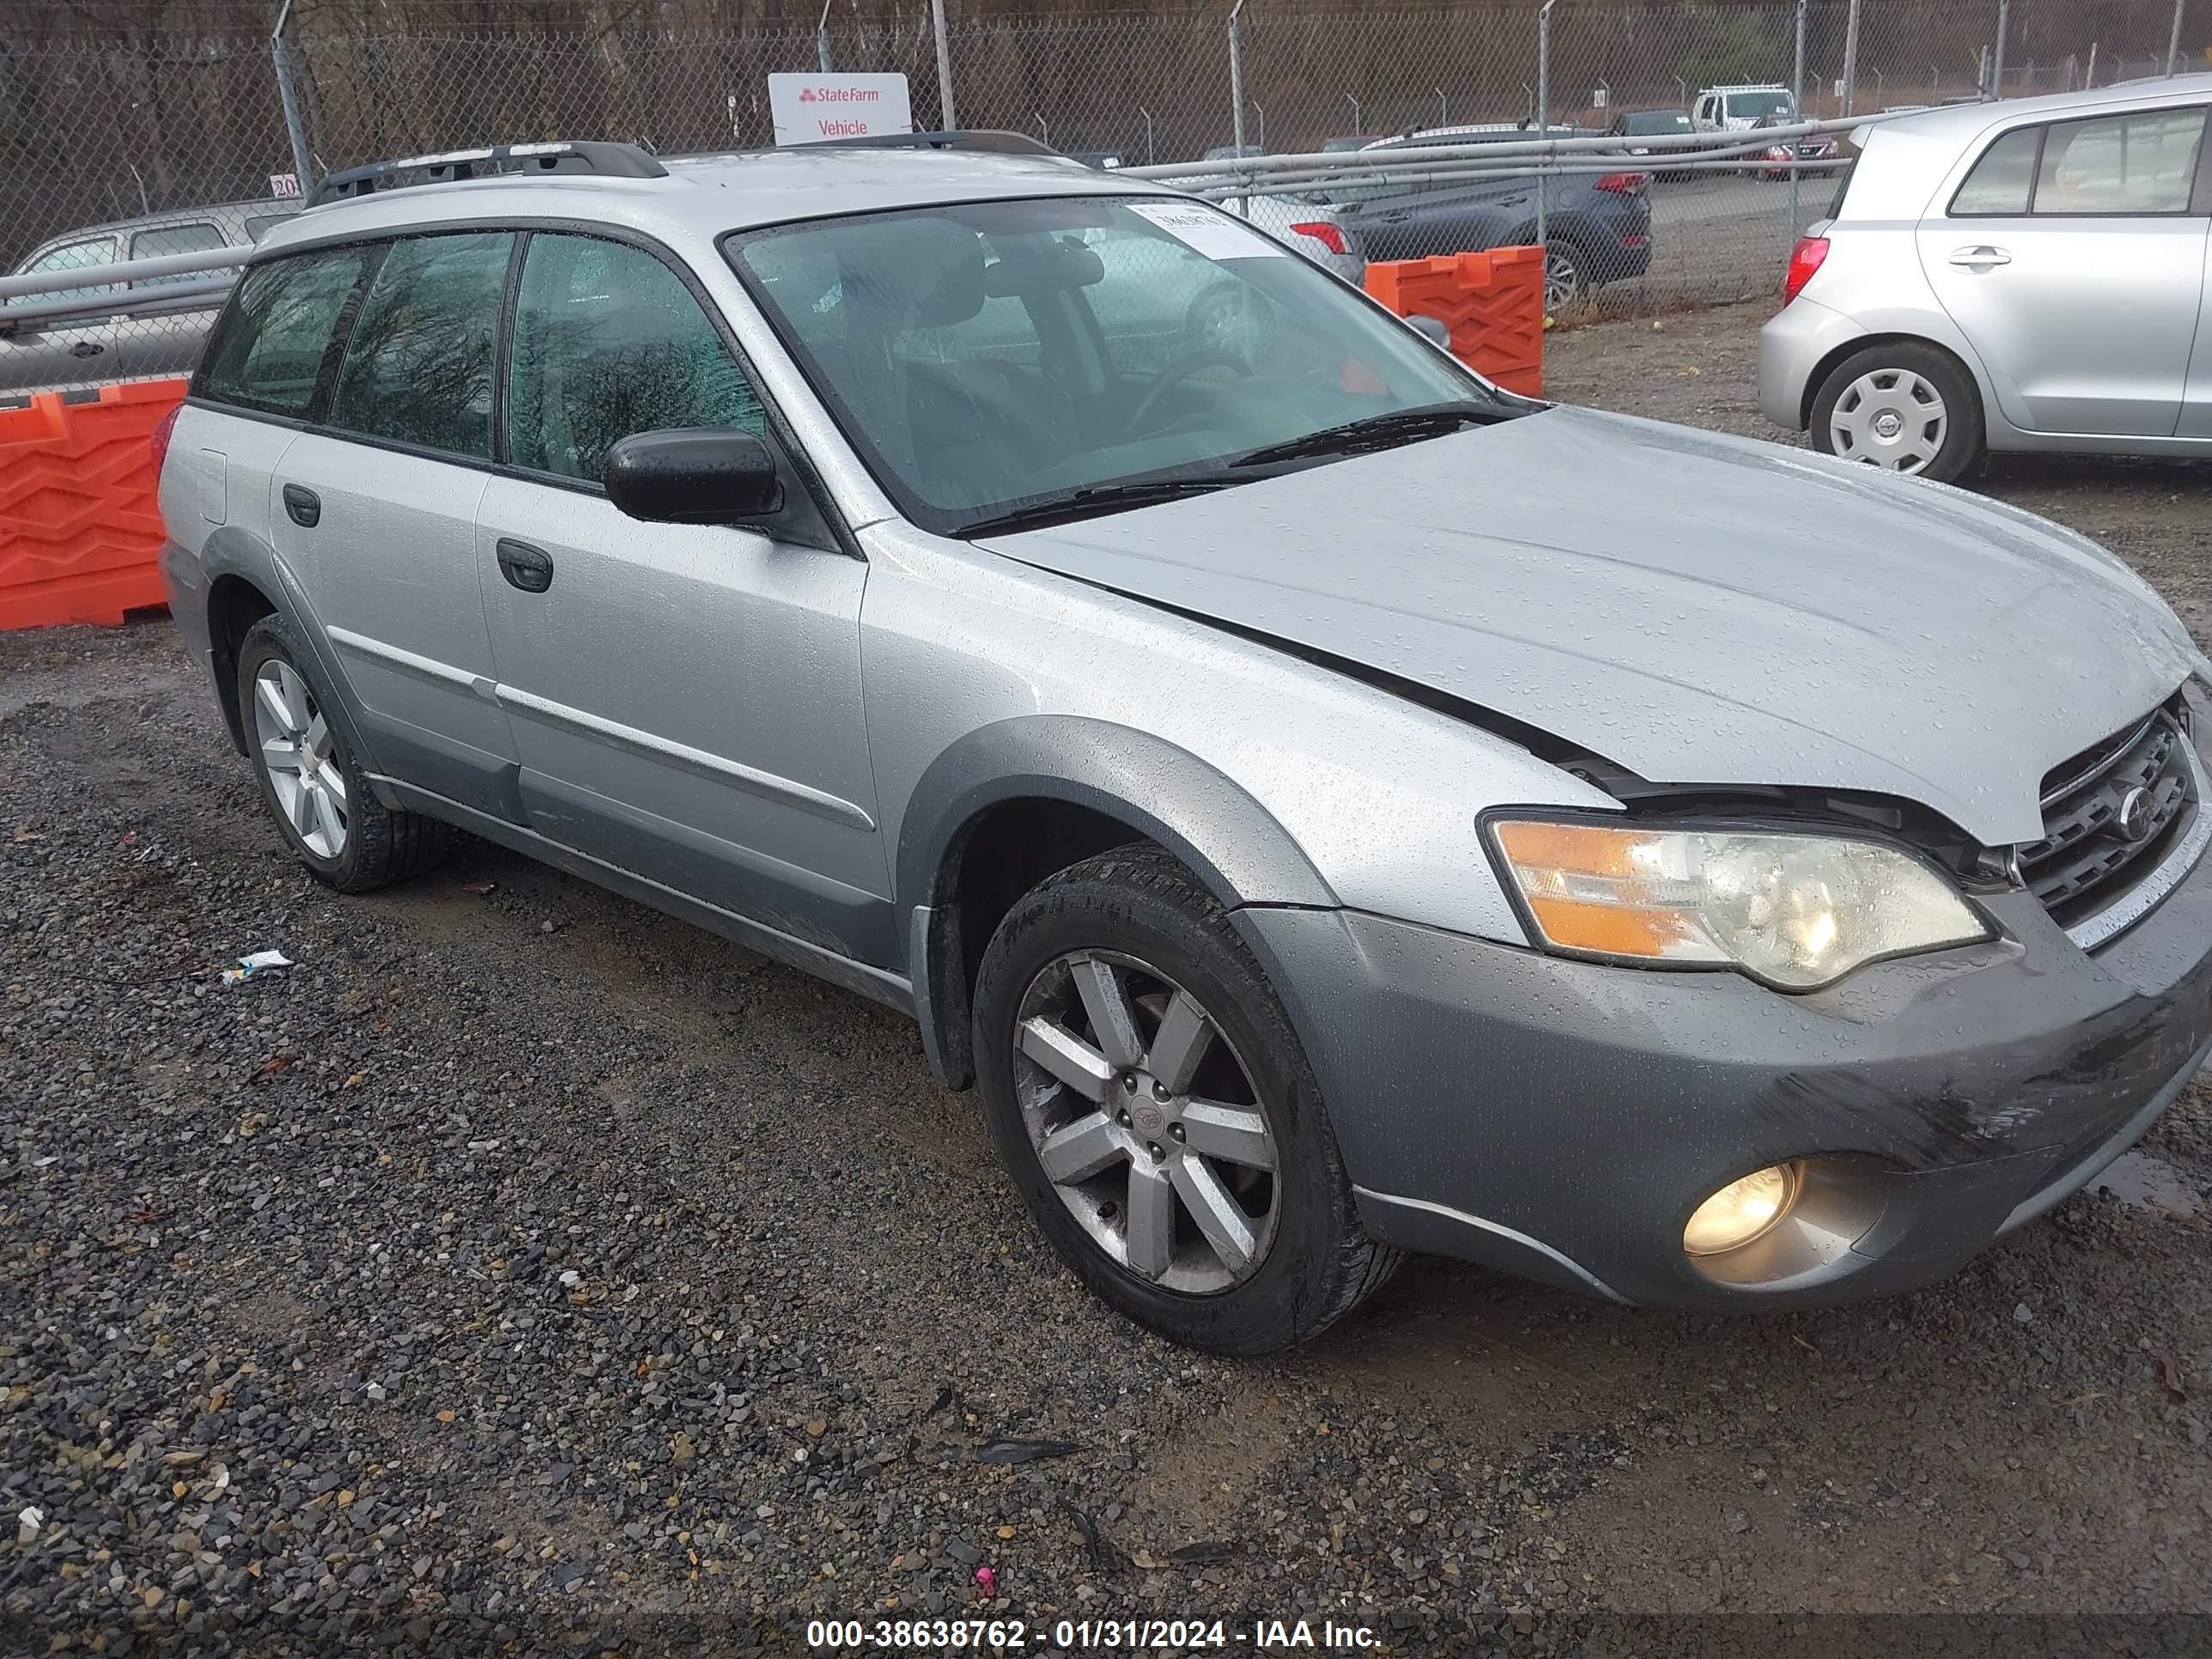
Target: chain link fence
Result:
[122, 121]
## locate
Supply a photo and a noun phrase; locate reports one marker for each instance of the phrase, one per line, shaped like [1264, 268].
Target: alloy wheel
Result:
[299, 753]
[1891, 418]
[1562, 281]
[1146, 1123]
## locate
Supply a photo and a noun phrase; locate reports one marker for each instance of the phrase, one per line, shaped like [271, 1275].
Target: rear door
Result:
[375, 511]
[2072, 256]
[152, 338]
[685, 700]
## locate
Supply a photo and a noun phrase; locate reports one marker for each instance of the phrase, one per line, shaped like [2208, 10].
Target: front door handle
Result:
[86, 348]
[303, 506]
[530, 568]
[1982, 257]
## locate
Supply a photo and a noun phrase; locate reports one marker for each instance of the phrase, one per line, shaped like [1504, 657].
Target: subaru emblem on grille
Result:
[2134, 819]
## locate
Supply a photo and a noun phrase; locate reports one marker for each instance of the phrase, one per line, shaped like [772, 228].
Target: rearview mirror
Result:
[693, 475]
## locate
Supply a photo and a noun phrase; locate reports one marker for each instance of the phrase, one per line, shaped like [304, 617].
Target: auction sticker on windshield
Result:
[1204, 231]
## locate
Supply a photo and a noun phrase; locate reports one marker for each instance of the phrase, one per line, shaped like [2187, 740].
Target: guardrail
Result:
[120, 298]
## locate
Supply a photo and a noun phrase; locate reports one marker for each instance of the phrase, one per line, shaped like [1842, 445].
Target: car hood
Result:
[1697, 608]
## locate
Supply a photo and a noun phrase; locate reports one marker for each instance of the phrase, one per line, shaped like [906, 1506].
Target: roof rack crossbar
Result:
[608, 160]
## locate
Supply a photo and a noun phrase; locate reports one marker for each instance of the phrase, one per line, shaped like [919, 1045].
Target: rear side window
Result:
[608, 342]
[2002, 179]
[270, 347]
[174, 239]
[418, 362]
[2137, 164]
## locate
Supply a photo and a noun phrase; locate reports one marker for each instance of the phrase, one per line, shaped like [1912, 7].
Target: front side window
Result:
[270, 346]
[418, 364]
[2142, 163]
[609, 342]
[166, 239]
[993, 358]
[75, 256]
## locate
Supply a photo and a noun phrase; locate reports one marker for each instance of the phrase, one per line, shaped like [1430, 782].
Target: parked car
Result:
[1106, 160]
[1635, 124]
[1332, 807]
[1345, 142]
[1232, 152]
[1599, 225]
[1739, 109]
[1814, 157]
[2020, 276]
[143, 336]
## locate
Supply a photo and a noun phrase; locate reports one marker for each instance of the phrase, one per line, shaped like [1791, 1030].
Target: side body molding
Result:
[1226, 838]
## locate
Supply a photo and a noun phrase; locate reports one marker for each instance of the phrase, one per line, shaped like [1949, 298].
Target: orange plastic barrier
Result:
[1493, 303]
[79, 526]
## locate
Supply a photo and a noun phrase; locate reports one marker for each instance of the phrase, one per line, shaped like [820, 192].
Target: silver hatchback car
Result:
[2020, 275]
[1322, 823]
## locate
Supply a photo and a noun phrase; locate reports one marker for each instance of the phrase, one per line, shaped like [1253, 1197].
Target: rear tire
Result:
[1566, 275]
[1100, 963]
[1903, 407]
[310, 782]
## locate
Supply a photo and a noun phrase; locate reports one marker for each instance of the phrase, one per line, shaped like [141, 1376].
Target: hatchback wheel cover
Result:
[1891, 418]
[300, 755]
[1146, 1123]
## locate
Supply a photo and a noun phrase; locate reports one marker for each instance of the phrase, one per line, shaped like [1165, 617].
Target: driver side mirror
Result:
[693, 475]
[1430, 330]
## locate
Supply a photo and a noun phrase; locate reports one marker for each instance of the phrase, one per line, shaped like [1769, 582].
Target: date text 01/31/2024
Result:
[1085, 1635]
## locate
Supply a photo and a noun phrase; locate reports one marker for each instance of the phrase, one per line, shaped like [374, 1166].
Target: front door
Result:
[2073, 259]
[685, 701]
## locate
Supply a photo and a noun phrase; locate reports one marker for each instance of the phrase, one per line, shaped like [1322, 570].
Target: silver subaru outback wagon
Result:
[1330, 807]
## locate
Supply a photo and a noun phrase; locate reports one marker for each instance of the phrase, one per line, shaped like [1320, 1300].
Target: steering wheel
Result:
[1175, 374]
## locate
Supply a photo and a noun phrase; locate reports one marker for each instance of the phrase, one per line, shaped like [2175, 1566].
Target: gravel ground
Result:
[524, 1273]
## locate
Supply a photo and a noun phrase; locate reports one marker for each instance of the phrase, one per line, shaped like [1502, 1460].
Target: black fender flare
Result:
[1224, 837]
[231, 551]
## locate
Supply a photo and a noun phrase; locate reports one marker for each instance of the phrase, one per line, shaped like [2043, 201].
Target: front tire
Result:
[1157, 1115]
[310, 780]
[1903, 407]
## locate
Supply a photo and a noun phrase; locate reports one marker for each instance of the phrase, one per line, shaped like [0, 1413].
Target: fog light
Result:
[1743, 1210]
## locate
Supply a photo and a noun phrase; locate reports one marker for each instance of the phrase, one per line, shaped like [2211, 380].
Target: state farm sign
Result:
[809, 108]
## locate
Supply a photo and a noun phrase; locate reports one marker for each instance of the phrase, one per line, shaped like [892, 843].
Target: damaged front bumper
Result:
[1563, 1119]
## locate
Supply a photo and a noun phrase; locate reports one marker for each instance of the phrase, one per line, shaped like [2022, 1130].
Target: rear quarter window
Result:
[272, 341]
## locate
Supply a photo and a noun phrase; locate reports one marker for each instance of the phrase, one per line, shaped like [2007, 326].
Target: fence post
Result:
[1236, 80]
[1851, 58]
[1544, 130]
[821, 39]
[1996, 58]
[2173, 40]
[944, 67]
[280, 54]
[1797, 93]
[1148, 114]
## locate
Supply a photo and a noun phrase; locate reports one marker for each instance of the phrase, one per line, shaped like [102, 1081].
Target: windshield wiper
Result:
[1403, 426]
[1094, 500]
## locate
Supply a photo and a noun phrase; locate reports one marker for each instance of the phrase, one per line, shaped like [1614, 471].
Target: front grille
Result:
[2108, 815]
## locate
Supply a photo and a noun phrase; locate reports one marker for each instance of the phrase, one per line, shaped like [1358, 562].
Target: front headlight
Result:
[1797, 911]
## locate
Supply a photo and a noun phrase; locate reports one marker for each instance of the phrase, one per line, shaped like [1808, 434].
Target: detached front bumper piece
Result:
[1563, 1120]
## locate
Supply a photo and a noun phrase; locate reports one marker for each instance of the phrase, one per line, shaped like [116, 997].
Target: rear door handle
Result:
[303, 506]
[530, 568]
[86, 348]
[1980, 258]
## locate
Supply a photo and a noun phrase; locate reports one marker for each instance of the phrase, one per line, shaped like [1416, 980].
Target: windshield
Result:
[1756, 104]
[1657, 121]
[991, 357]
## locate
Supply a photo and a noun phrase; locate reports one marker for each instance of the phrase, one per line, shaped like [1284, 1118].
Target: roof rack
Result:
[1005, 143]
[606, 158]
